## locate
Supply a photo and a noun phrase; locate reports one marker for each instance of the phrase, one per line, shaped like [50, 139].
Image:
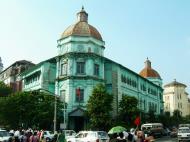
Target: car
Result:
[48, 135]
[69, 134]
[183, 134]
[4, 136]
[90, 136]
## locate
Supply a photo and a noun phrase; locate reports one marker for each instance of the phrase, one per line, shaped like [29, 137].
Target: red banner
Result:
[137, 121]
[78, 91]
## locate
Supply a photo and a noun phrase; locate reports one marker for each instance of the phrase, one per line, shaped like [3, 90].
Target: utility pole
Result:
[55, 108]
[55, 114]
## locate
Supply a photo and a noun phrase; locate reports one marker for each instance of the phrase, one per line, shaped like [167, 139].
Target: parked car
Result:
[69, 134]
[48, 135]
[90, 136]
[4, 136]
[183, 134]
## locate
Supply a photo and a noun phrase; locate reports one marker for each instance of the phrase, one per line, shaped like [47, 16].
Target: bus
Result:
[153, 129]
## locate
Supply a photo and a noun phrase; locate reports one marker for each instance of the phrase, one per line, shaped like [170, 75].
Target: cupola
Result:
[82, 28]
[148, 71]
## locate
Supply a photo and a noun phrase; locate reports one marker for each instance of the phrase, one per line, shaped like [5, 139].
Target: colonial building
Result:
[10, 75]
[176, 98]
[41, 76]
[80, 65]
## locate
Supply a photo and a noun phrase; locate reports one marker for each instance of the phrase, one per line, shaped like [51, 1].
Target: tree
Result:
[99, 108]
[28, 109]
[165, 119]
[128, 110]
[176, 118]
[4, 90]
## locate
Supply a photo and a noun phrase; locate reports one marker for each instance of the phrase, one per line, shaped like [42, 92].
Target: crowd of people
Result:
[30, 135]
[132, 136]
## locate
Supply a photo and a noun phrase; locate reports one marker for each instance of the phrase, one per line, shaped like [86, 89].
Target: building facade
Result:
[80, 65]
[42, 76]
[10, 75]
[176, 98]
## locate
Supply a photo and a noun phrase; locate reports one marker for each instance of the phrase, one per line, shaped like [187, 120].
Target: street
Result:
[166, 139]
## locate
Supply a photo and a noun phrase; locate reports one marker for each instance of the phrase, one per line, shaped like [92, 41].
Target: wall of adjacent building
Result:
[122, 81]
[175, 98]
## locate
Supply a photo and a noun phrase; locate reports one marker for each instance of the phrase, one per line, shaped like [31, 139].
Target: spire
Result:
[147, 63]
[82, 16]
[1, 65]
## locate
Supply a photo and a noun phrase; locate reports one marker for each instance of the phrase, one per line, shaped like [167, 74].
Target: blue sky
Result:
[132, 30]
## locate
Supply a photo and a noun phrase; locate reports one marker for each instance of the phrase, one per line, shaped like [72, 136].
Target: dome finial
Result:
[147, 63]
[82, 16]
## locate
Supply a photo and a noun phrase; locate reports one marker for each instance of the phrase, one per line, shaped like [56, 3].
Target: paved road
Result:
[166, 139]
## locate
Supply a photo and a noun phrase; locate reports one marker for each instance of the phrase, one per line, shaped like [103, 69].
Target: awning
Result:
[77, 112]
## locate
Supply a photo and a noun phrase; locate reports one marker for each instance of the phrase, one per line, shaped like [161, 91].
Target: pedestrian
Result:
[34, 137]
[121, 138]
[140, 136]
[61, 137]
[113, 137]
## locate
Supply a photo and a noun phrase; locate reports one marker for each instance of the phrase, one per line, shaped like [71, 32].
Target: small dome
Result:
[175, 83]
[148, 71]
[82, 28]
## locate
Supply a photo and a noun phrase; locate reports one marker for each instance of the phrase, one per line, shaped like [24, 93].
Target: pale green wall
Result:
[113, 77]
[46, 80]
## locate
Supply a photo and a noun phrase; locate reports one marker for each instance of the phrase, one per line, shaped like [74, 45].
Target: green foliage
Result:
[99, 107]
[28, 109]
[128, 110]
[4, 90]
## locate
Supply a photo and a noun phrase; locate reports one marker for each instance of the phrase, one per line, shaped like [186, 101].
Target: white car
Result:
[69, 134]
[4, 136]
[90, 136]
[48, 135]
[183, 134]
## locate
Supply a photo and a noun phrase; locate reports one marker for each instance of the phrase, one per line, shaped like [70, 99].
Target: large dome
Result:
[148, 71]
[82, 28]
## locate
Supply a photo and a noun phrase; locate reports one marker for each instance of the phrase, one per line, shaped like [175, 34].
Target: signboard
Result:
[63, 125]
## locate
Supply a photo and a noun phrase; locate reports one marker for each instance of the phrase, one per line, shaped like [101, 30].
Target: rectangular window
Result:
[63, 69]
[80, 67]
[79, 95]
[96, 69]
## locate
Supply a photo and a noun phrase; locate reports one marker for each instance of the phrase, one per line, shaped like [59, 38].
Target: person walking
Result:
[34, 137]
[121, 138]
[61, 137]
